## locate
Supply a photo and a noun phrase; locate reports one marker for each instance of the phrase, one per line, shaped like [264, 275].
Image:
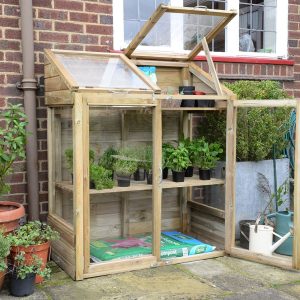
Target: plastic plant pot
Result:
[187, 90]
[165, 173]
[203, 103]
[123, 181]
[139, 175]
[189, 172]
[22, 287]
[149, 178]
[178, 176]
[204, 174]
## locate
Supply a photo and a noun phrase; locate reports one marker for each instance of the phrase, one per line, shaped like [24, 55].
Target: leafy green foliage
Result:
[178, 158]
[101, 177]
[166, 151]
[107, 160]
[12, 141]
[207, 154]
[23, 268]
[4, 251]
[193, 148]
[32, 233]
[126, 162]
[69, 158]
[257, 128]
[146, 159]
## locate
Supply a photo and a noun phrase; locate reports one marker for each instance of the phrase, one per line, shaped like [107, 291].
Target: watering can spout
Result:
[281, 240]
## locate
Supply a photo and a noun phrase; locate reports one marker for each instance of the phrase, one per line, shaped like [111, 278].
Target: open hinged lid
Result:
[99, 71]
[177, 32]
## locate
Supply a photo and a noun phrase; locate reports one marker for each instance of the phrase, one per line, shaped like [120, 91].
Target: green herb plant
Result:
[4, 251]
[12, 142]
[101, 177]
[107, 159]
[178, 158]
[69, 158]
[167, 148]
[193, 149]
[147, 159]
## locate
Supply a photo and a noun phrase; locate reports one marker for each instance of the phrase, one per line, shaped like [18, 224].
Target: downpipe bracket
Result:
[30, 84]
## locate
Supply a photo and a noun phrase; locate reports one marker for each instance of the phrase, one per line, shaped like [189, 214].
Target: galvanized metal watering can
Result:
[261, 239]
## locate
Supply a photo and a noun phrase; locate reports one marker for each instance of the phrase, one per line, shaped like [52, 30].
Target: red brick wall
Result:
[87, 25]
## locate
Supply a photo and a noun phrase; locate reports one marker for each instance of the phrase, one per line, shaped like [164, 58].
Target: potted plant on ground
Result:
[33, 238]
[107, 159]
[178, 160]
[125, 165]
[23, 274]
[4, 252]
[100, 177]
[207, 158]
[166, 150]
[12, 147]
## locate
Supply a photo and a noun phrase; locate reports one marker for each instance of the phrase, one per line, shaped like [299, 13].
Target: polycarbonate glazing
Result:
[101, 72]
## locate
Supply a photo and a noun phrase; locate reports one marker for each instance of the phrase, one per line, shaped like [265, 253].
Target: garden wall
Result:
[87, 26]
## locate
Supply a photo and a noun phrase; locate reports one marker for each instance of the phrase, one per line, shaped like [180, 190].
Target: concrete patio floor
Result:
[221, 278]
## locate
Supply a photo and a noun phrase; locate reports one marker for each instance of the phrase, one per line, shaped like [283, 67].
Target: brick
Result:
[16, 178]
[98, 8]
[41, 46]
[293, 9]
[96, 48]
[83, 17]
[9, 67]
[14, 34]
[263, 70]
[256, 70]
[43, 176]
[68, 5]
[41, 113]
[42, 3]
[15, 198]
[62, 26]
[13, 78]
[2, 102]
[52, 14]
[9, 22]
[99, 29]
[53, 37]
[235, 68]
[104, 19]
[69, 47]
[44, 187]
[15, 101]
[106, 40]
[84, 39]
[42, 135]
[11, 10]
[39, 68]
[9, 45]
[292, 26]
[293, 43]
[44, 164]
[283, 71]
[19, 166]
[277, 70]
[13, 56]
[2, 79]
[42, 25]
[294, 17]
[270, 70]
[242, 69]
[18, 188]
[1, 56]
[42, 155]
[11, 2]
[250, 69]
[44, 205]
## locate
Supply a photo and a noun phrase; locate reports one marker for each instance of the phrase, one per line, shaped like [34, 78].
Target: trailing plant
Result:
[12, 142]
[178, 158]
[258, 129]
[22, 268]
[69, 158]
[166, 150]
[107, 160]
[4, 251]
[33, 233]
[208, 154]
[101, 177]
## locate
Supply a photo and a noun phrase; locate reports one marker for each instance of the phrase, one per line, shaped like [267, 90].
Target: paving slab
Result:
[291, 289]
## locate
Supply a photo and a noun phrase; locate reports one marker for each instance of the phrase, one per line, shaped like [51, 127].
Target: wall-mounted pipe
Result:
[29, 86]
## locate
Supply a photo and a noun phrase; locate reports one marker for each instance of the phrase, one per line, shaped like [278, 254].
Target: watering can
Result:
[283, 223]
[261, 239]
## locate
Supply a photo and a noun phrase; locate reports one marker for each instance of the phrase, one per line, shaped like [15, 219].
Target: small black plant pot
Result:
[21, 287]
[92, 185]
[189, 172]
[187, 90]
[72, 180]
[204, 174]
[149, 178]
[123, 181]
[139, 175]
[165, 173]
[178, 176]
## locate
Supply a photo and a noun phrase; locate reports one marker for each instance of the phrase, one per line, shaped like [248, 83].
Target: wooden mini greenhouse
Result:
[101, 100]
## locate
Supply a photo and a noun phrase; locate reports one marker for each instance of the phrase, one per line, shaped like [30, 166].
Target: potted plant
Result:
[166, 150]
[4, 252]
[147, 164]
[69, 161]
[140, 173]
[207, 158]
[33, 238]
[107, 159]
[12, 147]
[193, 149]
[23, 274]
[100, 177]
[125, 165]
[178, 160]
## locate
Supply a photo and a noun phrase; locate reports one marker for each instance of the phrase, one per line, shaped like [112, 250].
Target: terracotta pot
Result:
[10, 214]
[42, 251]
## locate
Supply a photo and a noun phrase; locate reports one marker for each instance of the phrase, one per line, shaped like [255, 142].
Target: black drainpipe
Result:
[29, 86]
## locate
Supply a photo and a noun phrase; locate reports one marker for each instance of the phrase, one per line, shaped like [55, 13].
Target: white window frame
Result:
[231, 32]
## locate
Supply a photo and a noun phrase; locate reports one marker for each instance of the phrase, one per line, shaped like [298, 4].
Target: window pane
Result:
[101, 71]
[131, 11]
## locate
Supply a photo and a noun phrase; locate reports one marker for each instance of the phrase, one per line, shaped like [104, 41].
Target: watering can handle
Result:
[271, 216]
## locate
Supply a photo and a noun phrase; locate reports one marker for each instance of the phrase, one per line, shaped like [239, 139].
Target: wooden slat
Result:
[85, 53]
[145, 30]
[159, 55]
[157, 63]
[296, 241]
[266, 103]
[54, 84]
[212, 34]
[58, 98]
[284, 262]
[212, 68]
[78, 151]
[191, 97]
[156, 179]
[231, 122]
[51, 71]
[140, 74]
[198, 11]
[207, 209]
[193, 109]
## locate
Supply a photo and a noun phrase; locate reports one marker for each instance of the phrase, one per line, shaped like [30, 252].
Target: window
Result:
[259, 29]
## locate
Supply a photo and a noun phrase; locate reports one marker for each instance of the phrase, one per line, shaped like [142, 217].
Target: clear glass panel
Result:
[63, 163]
[120, 218]
[101, 72]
